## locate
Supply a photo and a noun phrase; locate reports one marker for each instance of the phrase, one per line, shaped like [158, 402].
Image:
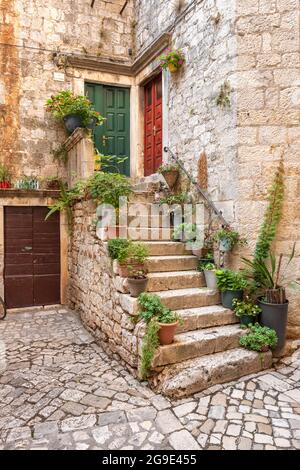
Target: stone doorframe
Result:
[133, 76]
[15, 197]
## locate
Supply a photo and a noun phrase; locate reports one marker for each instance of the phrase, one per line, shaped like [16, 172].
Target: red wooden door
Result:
[153, 126]
[31, 257]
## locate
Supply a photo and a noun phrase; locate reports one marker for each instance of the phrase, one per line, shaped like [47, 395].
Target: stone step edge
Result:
[198, 343]
[195, 375]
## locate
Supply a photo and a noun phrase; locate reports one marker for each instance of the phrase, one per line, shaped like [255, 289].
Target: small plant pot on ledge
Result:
[166, 333]
[72, 122]
[229, 295]
[275, 316]
[210, 279]
[137, 286]
[5, 185]
[171, 177]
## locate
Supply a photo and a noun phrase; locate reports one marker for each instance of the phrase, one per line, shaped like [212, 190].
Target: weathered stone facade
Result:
[36, 37]
[255, 46]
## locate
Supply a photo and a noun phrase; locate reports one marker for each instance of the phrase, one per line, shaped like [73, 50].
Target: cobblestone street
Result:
[59, 390]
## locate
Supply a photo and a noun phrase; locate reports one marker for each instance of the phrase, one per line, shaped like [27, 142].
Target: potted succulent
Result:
[170, 173]
[137, 281]
[232, 285]
[228, 239]
[74, 110]
[246, 310]
[172, 60]
[161, 324]
[5, 177]
[185, 232]
[209, 270]
[269, 282]
[259, 339]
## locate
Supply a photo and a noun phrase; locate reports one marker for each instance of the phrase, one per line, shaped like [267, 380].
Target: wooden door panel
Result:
[153, 126]
[32, 257]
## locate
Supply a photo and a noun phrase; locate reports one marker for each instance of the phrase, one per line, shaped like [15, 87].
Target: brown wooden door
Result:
[31, 257]
[153, 126]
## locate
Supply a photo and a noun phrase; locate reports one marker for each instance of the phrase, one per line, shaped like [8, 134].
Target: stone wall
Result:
[38, 28]
[254, 45]
[94, 289]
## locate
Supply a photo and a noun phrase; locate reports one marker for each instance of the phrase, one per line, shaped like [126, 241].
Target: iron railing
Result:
[207, 201]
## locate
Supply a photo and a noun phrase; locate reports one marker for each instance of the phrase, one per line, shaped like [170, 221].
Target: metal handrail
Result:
[207, 200]
[4, 308]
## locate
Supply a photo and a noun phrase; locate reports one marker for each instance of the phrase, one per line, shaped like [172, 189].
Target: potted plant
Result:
[170, 173]
[269, 283]
[52, 183]
[232, 285]
[185, 232]
[175, 203]
[137, 281]
[5, 177]
[209, 270]
[172, 60]
[28, 183]
[228, 238]
[74, 110]
[259, 339]
[133, 257]
[246, 310]
[161, 324]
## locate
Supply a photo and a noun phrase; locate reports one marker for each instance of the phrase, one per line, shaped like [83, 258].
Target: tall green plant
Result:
[272, 216]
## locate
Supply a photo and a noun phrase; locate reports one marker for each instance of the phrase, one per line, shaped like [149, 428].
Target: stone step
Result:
[192, 376]
[150, 221]
[205, 317]
[150, 234]
[177, 299]
[171, 263]
[198, 343]
[141, 196]
[174, 280]
[167, 248]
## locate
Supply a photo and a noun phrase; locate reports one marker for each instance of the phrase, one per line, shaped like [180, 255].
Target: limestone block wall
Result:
[268, 120]
[93, 289]
[254, 45]
[33, 30]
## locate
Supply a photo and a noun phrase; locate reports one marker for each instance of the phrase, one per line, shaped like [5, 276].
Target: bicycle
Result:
[2, 309]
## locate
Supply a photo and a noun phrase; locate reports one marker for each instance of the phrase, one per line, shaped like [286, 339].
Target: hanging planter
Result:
[170, 173]
[172, 60]
[228, 239]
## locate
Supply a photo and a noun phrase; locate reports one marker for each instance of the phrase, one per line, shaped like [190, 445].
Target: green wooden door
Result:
[113, 138]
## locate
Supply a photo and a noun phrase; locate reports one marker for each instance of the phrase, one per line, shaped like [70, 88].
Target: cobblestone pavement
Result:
[59, 390]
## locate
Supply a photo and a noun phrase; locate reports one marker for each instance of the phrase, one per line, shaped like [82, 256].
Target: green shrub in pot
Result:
[246, 310]
[209, 271]
[270, 282]
[228, 239]
[116, 246]
[232, 285]
[185, 232]
[161, 324]
[132, 257]
[260, 338]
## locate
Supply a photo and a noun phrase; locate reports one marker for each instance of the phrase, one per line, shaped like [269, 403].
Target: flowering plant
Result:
[66, 102]
[172, 59]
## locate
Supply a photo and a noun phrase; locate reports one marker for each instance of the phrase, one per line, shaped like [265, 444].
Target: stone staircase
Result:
[206, 348]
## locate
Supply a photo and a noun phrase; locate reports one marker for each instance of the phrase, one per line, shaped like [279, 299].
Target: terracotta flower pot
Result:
[172, 68]
[171, 177]
[5, 185]
[166, 333]
[124, 268]
[137, 286]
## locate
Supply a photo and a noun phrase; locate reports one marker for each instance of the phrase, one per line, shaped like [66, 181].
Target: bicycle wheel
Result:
[2, 309]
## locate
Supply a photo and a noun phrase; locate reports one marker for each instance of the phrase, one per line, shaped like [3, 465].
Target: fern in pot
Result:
[232, 286]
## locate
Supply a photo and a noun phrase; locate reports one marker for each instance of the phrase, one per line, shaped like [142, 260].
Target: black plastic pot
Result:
[275, 316]
[72, 121]
[229, 295]
[247, 319]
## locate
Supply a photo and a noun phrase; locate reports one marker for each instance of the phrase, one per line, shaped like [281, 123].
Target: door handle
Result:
[154, 130]
[104, 140]
[27, 248]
